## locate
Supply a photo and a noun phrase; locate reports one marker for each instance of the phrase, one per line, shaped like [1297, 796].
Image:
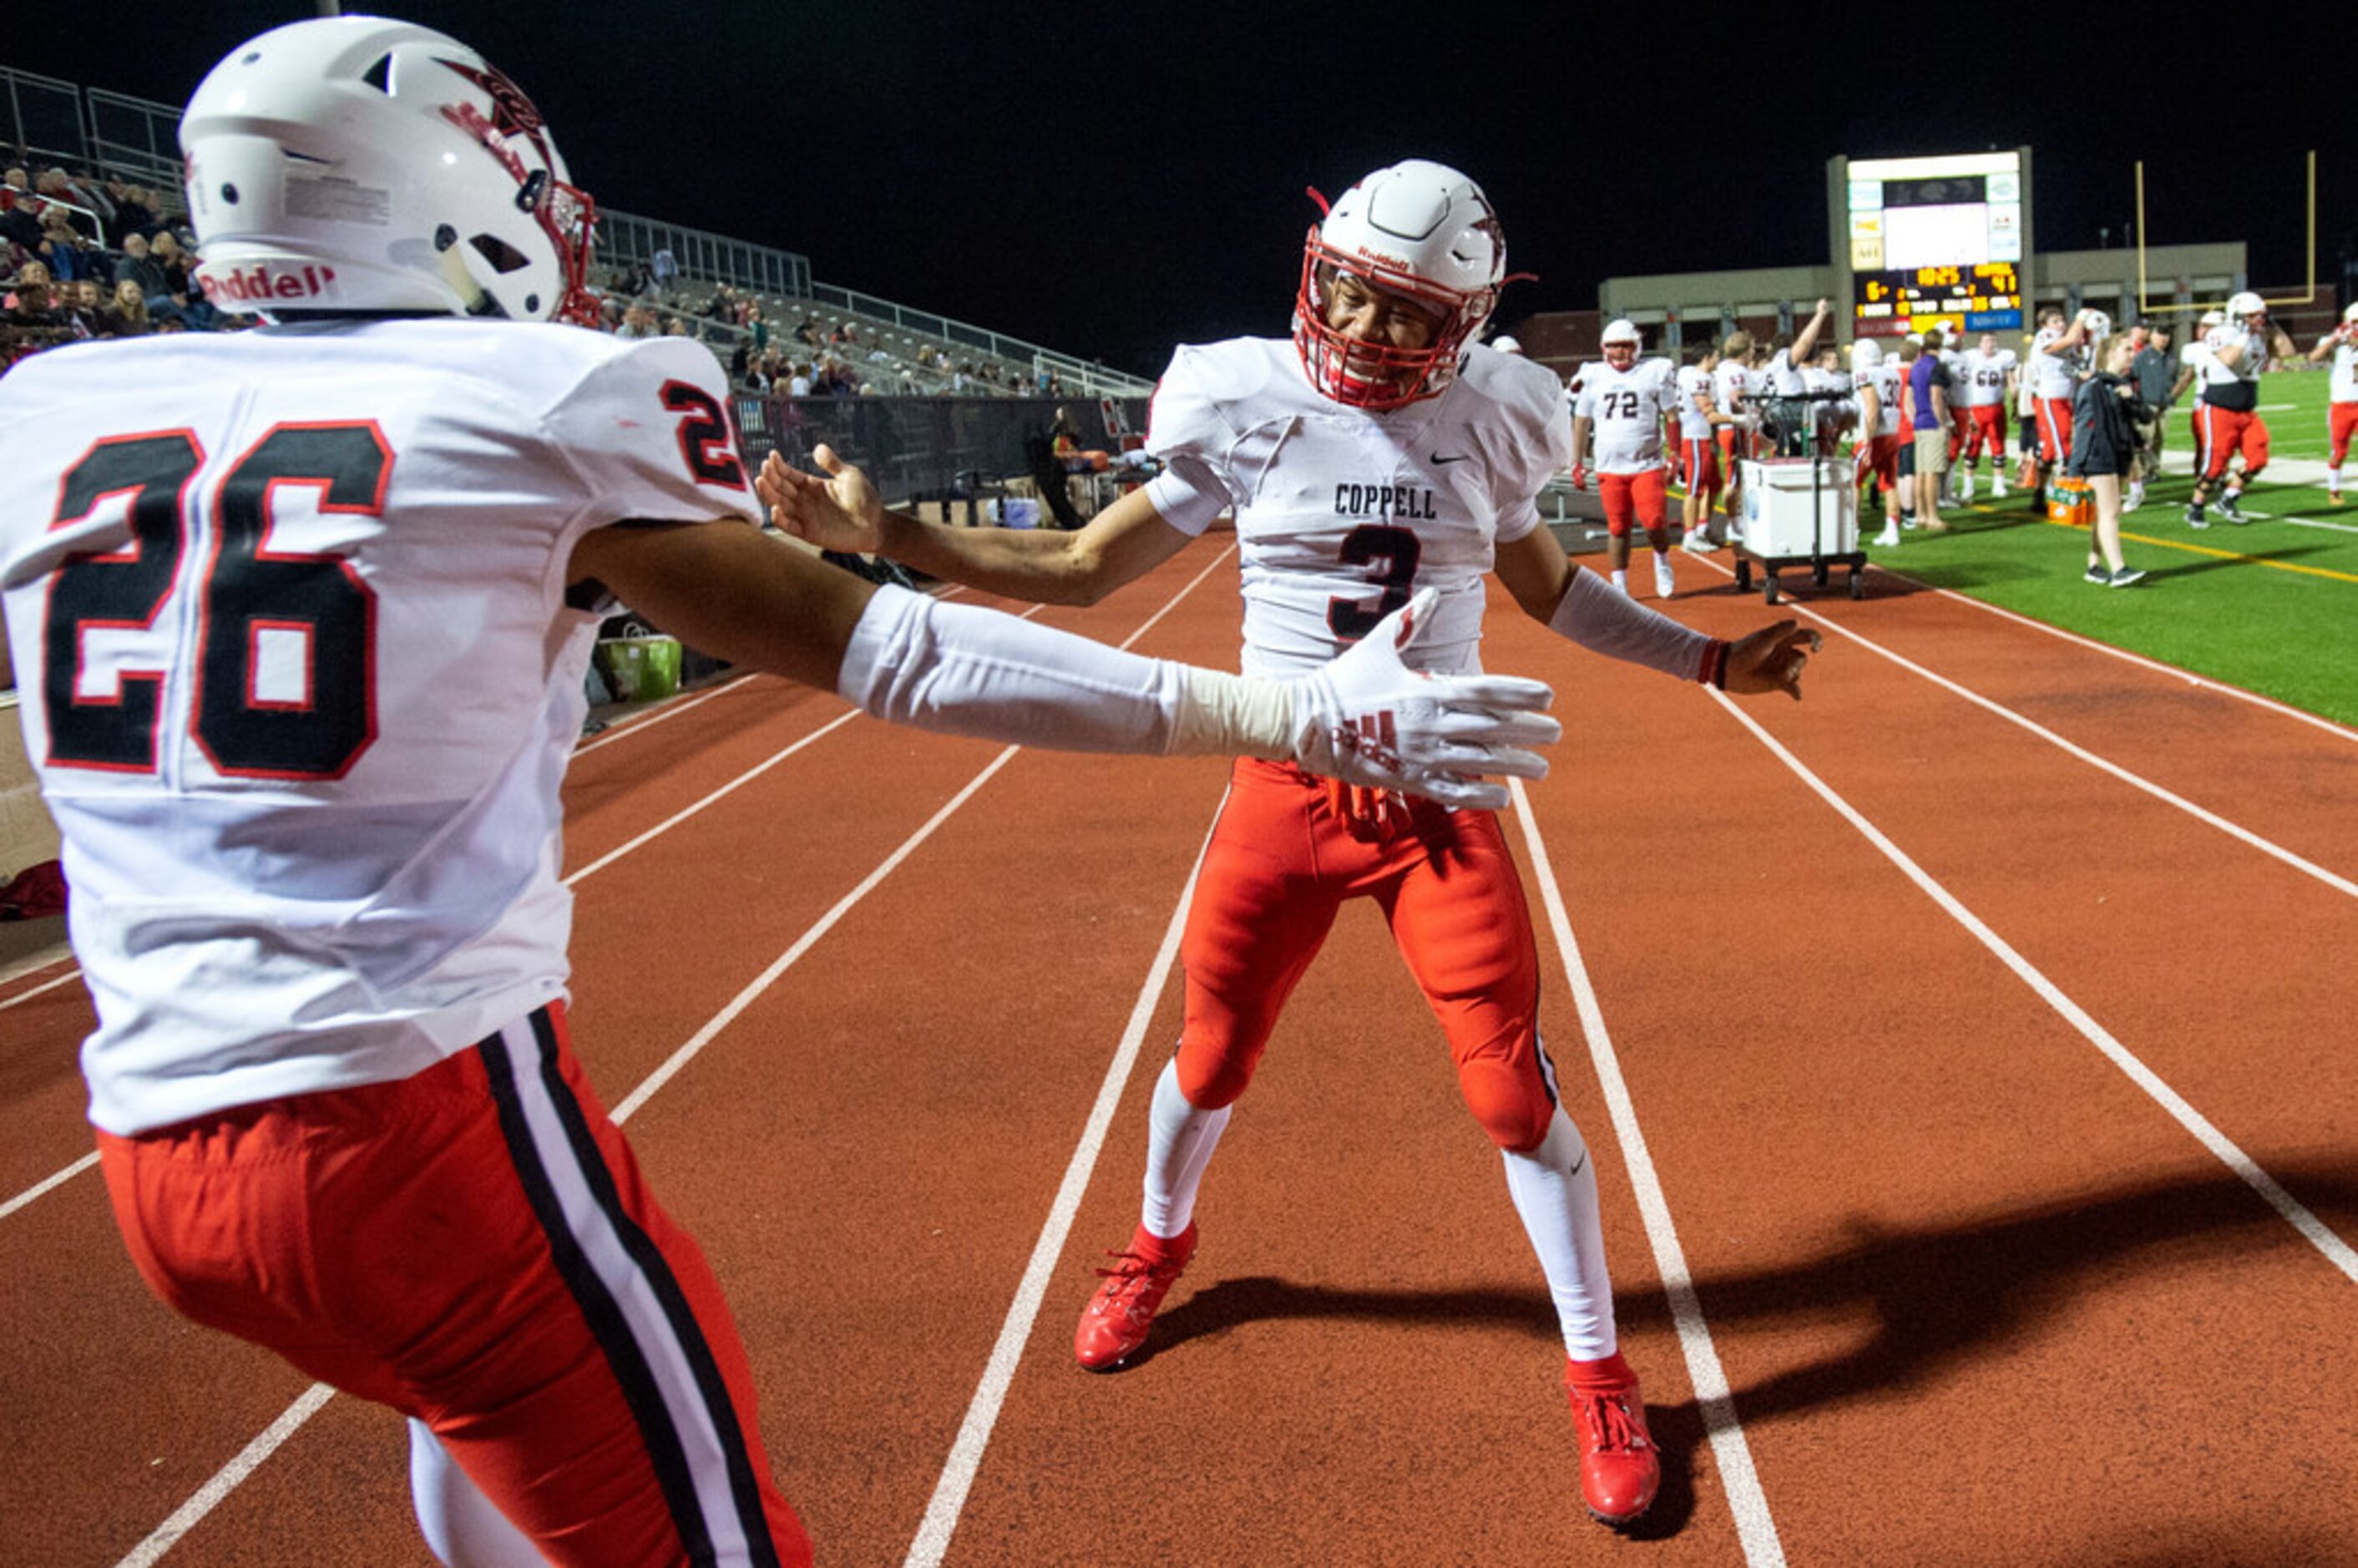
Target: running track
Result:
[1975, 1129]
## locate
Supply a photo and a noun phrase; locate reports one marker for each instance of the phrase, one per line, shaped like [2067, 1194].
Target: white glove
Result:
[1369, 720]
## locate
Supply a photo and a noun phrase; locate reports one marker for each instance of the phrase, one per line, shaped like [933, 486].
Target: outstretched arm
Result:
[1582, 607]
[1805, 341]
[839, 510]
[1364, 717]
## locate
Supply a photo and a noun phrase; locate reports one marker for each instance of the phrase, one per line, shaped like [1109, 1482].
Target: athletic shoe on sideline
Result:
[1997, 486]
[2230, 510]
[1889, 538]
[1115, 1323]
[2195, 517]
[1697, 542]
[2099, 574]
[2134, 499]
[1619, 1470]
[2125, 576]
[1666, 582]
[2333, 498]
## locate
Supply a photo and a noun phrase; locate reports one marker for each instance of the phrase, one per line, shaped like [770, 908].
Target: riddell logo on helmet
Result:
[258, 285]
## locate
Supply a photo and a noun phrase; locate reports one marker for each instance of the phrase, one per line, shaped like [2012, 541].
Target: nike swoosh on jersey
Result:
[1458, 459]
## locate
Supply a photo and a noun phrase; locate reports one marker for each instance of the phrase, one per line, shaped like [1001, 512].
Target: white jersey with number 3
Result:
[295, 600]
[1625, 408]
[1343, 513]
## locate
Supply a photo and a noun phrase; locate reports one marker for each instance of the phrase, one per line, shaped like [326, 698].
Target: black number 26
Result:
[319, 714]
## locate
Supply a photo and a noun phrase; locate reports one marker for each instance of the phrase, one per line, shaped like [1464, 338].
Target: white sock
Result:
[1179, 1143]
[461, 1525]
[1621, 580]
[2333, 480]
[1554, 1189]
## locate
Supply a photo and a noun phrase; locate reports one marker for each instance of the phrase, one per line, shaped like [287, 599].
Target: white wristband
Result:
[1233, 716]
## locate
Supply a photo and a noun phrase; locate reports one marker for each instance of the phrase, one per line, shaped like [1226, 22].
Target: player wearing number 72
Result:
[1381, 451]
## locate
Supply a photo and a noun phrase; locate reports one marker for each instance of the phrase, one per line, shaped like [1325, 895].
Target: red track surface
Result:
[1977, 1296]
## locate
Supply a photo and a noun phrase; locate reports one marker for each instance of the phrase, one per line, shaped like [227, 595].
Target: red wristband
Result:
[1714, 665]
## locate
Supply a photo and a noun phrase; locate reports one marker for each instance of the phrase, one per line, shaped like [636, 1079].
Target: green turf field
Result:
[2271, 606]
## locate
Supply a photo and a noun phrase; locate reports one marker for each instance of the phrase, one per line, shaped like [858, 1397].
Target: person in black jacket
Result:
[2105, 413]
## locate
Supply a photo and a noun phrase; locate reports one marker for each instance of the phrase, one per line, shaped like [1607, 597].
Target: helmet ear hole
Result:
[380, 75]
[504, 257]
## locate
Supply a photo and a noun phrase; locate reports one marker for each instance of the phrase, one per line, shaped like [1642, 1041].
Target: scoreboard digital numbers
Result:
[1935, 241]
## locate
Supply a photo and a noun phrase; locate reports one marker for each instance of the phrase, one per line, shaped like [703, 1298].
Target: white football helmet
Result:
[1865, 355]
[1418, 230]
[1506, 345]
[357, 164]
[2245, 305]
[2099, 324]
[2212, 319]
[2350, 314]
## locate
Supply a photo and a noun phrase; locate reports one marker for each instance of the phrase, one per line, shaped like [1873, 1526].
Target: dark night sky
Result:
[1109, 180]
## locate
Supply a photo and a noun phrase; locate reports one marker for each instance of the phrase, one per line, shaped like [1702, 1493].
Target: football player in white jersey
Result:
[1731, 391]
[2057, 358]
[1952, 360]
[1984, 385]
[1699, 420]
[1875, 380]
[1625, 401]
[2227, 421]
[2341, 412]
[1374, 453]
[302, 617]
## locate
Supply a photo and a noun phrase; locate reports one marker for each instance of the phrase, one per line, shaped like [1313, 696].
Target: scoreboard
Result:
[1983, 298]
[1936, 241]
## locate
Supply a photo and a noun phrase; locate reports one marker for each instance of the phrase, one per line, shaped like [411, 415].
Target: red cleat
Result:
[1114, 1324]
[1619, 1470]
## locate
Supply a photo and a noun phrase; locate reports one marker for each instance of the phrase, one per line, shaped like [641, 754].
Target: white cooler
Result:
[1797, 507]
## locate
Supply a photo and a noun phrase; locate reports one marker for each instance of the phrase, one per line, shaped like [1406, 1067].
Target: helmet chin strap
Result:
[454, 268]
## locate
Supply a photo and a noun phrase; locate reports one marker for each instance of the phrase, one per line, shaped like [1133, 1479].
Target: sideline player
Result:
[1877, 445]
[1986, 387]
[1374, 453]
[1699, 418]
[1731, 391]
[2056, 361]
[302, 616]
[2227, 421]
[1625, 401]
[2341, 415]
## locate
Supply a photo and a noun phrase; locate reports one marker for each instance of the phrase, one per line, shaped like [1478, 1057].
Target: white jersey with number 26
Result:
[300, 676]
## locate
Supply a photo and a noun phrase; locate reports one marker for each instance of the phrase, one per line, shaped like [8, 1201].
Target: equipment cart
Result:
[1798, 512]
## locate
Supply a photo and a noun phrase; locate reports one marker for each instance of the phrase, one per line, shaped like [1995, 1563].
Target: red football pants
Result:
[474, 1246]
[1282, 862]
[1878, 456]
[2220, 433]
[1987, 427]
[2054, 429]
[1699, 468]
[2342, 423]
[1629, 498]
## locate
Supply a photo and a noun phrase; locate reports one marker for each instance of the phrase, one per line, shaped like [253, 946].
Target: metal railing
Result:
[140, 137]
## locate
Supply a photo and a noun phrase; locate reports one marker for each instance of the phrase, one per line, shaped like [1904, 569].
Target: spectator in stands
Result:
[800, 385]
[723, 307]
[638, 321]
[740, 361]
[86, 309]
[664, 272]
[62, 251]
[56, 188]
[140, 267]
[133, 214]
[166, 250]
[127, 316]
[17, 224]
[759, 324]
[676, 328]
[34, 303]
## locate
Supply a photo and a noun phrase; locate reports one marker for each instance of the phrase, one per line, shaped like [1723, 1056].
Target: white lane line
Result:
[2336, 1251]
[1754, 1529]
[31, 993]
[933, 1539]
[2340, 884]
[623, 729]
[38, 1188]
[2338, 731]
[228, 1478]
[2320, 523]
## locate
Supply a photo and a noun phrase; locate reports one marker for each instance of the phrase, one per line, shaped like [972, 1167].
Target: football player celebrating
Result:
[2227, 421]
[1625, 401]
[2057, 357]
[302, 617]
[1984, 389]
[1374, 454]
[2341, 418]
[1698, 418]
